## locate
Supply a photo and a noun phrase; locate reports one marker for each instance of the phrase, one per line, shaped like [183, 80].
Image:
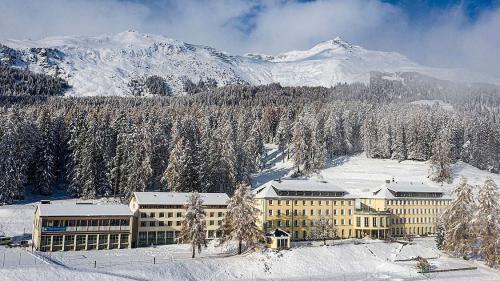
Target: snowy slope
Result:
[105, 65]
[358, 174]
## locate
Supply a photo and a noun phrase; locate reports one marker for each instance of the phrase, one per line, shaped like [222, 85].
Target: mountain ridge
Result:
[108, 64]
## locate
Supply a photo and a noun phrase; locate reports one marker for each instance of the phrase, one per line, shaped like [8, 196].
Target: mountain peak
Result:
[335, 42]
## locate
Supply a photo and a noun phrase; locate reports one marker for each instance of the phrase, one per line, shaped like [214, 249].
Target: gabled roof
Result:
[389, 190]
[278, 233]
[83, 210]
[273, 188]
[178, 198]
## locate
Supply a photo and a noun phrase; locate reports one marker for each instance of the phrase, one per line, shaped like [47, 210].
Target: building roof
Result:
[83, 210]
[272, 188]
[389, 190]
[178, 198]
[278, 233]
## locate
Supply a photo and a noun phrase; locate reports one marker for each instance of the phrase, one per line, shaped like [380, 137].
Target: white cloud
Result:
[448, 40]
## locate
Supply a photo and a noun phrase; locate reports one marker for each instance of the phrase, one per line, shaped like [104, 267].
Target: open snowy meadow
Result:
[339, 260]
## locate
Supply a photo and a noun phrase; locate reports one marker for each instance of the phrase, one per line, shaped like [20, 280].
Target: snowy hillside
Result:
[359, 174]
[109, 64]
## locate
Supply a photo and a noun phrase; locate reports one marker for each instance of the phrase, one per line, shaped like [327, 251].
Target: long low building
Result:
[64, 227]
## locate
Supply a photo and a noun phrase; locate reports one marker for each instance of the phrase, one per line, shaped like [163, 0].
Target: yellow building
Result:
[410, 208]
[296, 205]
[392, 209]
[74, 227]
[159, 215]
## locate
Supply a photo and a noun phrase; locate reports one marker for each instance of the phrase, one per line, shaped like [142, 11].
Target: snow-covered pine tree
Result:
[193, 229]
[240, 222]
[323, 229]
[486, 223]
[172, 174]
[283, 133]
[440, 162]
[15, 154]
[301, 140]
[459, 233]
[44, 174]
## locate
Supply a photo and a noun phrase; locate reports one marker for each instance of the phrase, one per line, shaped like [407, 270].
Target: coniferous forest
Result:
[213, 140]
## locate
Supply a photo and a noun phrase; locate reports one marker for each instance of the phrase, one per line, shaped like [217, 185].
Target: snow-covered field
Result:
[375, 260]
[345, 260]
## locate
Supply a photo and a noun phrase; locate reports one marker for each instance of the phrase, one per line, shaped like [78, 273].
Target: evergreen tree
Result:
[193, 227]
[486, 223]
[459, 234]
[440, 170]
[44, 170]
[240, 222]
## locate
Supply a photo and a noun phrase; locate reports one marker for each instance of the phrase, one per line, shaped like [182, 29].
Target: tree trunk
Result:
[239, 247]
[194, 252]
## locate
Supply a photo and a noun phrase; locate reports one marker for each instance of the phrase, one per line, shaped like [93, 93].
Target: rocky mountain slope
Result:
[118, 64]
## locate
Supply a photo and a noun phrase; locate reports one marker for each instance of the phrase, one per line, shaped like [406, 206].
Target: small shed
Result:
[278, 239]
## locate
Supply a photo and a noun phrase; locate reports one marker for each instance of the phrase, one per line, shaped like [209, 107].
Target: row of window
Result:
[413, 230]
[83, 242]
[418, 202]
[85, 222]
[171, 223]
[171, 214]
[147, 238]
[413, 220]
[415, 211]
[305, 223]
[312, 193]
[375, 221]
[303, 212]
[179, 206]
[311, 202]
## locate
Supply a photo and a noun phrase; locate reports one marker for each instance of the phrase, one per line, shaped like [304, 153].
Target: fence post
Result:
[154, 260]
[3, 262]
[95, 264]
[19, 258]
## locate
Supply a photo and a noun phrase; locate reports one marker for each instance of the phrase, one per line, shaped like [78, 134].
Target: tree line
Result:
[212, 141]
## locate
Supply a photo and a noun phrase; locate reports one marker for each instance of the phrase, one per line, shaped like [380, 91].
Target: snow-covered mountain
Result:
[108, 64]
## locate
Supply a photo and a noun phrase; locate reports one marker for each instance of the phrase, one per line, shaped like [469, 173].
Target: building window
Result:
[342, 221]
[304, 212]
[220, 214]
[212, 222]
[279, 223]
[295, 223]
[169, 223]
[170, 214]
[279, 202]
[288, 202]
[358, 222]
[303, 222]
[374, 222]
[151, 215]
[312, 212]
[270, 202]
[287, 223]
[270, 212]
[319, 212]
[152, 223]
[279, 212]
[162, 214]
[334, 212]
[295, 212]
[320, 202]
[287, 212]
[143, 223]
[367, 222]
[342, 211]
[178, 223]
[179, 214]
[161, 223]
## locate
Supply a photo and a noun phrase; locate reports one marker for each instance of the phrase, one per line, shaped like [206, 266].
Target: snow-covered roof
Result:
[83, 210]
[315, 188]
[390, 190]
[278, 233]
[178, 198]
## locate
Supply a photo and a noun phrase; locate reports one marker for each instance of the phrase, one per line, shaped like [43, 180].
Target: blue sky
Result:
[437, 33]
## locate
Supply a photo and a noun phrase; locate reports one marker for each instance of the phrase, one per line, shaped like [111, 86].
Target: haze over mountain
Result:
[113, 64]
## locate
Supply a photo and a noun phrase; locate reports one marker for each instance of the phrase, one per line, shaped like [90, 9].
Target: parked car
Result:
[4, 240]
